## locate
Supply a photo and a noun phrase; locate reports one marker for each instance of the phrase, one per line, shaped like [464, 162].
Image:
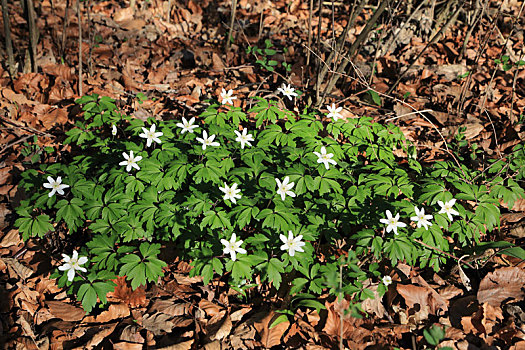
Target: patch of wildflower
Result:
[56, 186]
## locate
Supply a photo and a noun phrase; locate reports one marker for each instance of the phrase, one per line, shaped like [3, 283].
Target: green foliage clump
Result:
[179, 194]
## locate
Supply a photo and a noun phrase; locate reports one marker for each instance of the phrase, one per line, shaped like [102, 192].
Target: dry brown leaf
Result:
[123, 292]
[351, 326]
[10, 239]
[17, 269]
[185, 345]
[157, 323]
[210, 308]
[500, 285]
[103, 332]
[113, 312]
[20, 99]
[65, 311]
[170, 307]
[374, 305]
[424, 296]
[484, 320]
[127, 346]
[220, 329]
[238, 315]
[132, 334]
[271, 336]
[449, 292]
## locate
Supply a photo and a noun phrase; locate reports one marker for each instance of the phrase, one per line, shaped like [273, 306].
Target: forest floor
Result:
[467, 84]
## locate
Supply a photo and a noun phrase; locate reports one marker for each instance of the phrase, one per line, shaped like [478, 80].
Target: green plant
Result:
[262, 56]
[507, 64]
[434, 336]
[228, 198]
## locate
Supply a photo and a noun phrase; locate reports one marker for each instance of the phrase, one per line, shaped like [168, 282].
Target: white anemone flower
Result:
[446, 208]
[292, 244]
[325, 158]
[131, 161]
[187, 125]
[392, 222]
[284, 188]
[287, 91]
[421, 218]
[55, 186]
[227, 97]
[387, 280]
[150, 135]
[71, 264]
[113, 130]
[244, 138]
[207, 141]
[334, 113]
[233, 247]
[231, 193]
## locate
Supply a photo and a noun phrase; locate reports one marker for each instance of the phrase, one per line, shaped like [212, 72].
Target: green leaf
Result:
[278, 320]
[36, 226]
[274, 269]
[375, 97]
[88, 296]
[434, 335]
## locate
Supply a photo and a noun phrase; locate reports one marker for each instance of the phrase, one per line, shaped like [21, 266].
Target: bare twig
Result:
[310, 12]
[9, 145]
[445, 253]
[64, 27]
[232, 21]
[79, 49]
[33, 33]
[511, 117]
[354, 48]
[430, 42]
[28, 128]
[8, 43]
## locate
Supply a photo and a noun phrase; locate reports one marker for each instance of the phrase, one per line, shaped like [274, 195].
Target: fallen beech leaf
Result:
[12, 96]
[351, 326]
[113, 312]
[65, 311]
[424, 296]
[210, 308]
[124, 293]
[500, 285]
[157, 323]
[10, 239]
[374, 305]
[132, 334]
[170, 307]
[15, 266]
[220, 329]
[185, 345]
[271, 336]
[104, 332]
[127, 346]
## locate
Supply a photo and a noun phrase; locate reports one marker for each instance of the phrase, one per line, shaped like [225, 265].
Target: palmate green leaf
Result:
[103, 251]
[488, 214]
[88, 296]
[273, 270]
[241, 268]
[34, 226]
[139, 270]
[71, 212]
[216, 219]
[243, 215]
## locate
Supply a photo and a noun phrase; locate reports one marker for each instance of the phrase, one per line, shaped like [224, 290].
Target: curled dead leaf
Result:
[65, 311]
[424, 296]
[503, 284]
